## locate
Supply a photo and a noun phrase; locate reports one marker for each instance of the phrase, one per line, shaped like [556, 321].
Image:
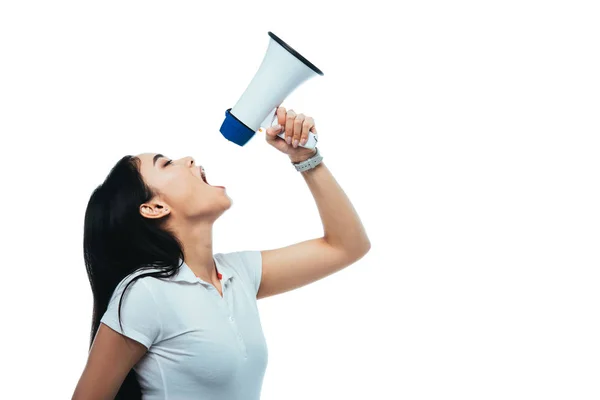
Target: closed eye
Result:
[168, 162]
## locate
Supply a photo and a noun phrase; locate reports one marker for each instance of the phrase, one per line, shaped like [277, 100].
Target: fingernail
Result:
[277, 127]
[288, 139]
[296, 143]
[302, 142]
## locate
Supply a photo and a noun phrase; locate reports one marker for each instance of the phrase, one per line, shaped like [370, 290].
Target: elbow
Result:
[366, 249]
[365, 245]
[359, 251]
[354, 250]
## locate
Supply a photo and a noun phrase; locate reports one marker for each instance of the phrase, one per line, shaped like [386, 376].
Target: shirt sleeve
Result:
[139, 312]
[252, 267]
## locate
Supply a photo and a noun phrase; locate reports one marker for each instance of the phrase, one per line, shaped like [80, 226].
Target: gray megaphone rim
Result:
[295, 53]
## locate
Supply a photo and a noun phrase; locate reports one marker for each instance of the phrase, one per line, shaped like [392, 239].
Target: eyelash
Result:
[168, 162]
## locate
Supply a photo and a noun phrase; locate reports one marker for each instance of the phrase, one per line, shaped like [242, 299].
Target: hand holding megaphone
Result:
[306, 136]
[298, 132]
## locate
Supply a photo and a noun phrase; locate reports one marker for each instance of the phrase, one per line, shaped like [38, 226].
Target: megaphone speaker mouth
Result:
[295, 53]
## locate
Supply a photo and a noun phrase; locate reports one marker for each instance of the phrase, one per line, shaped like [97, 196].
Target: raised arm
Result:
[345, 240]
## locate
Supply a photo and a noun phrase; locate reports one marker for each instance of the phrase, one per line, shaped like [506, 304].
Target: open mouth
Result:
[203, 175]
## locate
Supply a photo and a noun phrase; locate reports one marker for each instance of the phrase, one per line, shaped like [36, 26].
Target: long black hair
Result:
[118, 240]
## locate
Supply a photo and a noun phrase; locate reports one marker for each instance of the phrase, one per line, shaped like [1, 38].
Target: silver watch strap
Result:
[310, 163]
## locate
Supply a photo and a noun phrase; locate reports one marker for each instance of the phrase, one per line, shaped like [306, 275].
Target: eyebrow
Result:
[156, 157]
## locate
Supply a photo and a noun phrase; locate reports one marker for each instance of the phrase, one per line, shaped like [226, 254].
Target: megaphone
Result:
[283, 69]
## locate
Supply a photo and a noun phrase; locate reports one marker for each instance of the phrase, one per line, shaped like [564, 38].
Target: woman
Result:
[173, 320]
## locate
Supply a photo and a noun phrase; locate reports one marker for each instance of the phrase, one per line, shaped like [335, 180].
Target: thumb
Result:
[274, 140]
[273, 131]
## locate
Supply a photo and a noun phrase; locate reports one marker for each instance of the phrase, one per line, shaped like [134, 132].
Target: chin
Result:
[229, 203]
[224, 205]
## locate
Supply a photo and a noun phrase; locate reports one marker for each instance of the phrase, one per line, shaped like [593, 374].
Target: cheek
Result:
[189, 191]
[180, 191]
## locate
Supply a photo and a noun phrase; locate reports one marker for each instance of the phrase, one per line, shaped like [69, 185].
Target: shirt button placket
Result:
[239, 337]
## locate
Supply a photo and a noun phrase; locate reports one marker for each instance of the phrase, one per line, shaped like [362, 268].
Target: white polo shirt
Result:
[200, 345]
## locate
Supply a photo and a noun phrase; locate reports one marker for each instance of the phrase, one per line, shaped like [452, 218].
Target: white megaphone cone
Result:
[283, 69]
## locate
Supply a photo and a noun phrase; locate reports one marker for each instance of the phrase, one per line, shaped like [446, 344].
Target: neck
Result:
[196, 239]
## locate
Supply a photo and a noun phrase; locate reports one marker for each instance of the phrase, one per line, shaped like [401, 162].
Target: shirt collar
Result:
[185, 274]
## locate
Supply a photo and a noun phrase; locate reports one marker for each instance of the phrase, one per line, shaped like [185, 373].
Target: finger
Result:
[273, 131]
[309, 122]
[289, 125]
[298, 122]
[274, 140]
[281, 116]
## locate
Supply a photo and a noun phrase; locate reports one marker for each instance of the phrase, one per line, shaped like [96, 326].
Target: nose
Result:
[190, 161]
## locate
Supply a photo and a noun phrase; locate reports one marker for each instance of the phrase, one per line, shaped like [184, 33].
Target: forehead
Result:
[149, 159]
[147, 163]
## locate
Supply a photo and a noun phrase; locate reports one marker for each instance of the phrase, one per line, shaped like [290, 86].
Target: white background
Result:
[464, 133]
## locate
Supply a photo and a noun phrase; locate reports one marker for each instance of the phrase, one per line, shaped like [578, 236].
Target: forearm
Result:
[342, 226]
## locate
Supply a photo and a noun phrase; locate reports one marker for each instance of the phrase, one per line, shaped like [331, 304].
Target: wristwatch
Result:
[310, 163]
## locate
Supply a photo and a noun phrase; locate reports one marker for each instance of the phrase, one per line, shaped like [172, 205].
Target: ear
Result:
[153, 211]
